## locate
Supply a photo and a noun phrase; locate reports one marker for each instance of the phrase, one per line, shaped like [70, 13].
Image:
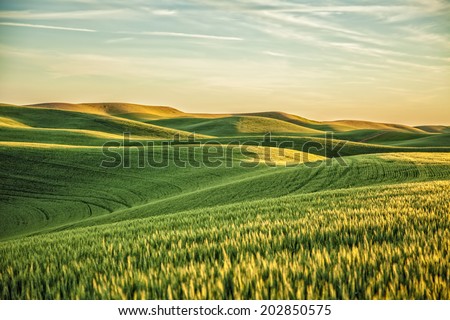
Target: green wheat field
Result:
[371, 221]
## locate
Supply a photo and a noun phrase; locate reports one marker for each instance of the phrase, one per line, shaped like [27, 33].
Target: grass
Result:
[339, 125]
[329, 148]
[33, 201]
[214, 127]
[10, 123]
[233, 125]
[357, 125]
[114, 109]
[264, 125]
[371, 243]
[435, 129]
[59, 119]
[436, 140]
[74, 137]
[365, 216]
[395, 138]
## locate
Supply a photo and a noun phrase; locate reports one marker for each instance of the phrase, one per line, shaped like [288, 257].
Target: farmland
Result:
[366, 216]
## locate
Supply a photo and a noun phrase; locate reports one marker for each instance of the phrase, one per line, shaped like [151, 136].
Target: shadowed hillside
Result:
[337, 126]
[95, 123]
[236, 213]
[49, 118]
[435, 129]
[232, 126]
[123, 109]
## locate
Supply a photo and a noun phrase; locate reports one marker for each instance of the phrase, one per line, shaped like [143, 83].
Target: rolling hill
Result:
[435, 129]
[338, 125]
[109, 120]
[264, 220]
[233, 126]
[358, 124]
[49, 118]
[362, 213]
[115, 109]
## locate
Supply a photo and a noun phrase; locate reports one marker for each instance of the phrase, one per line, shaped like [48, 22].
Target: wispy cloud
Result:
[418, 66]
[81, 14]
[365, 9]
[433, 5]
[186, 35]
[276, 54]
[308, 22]
[422, 34]
[396, 11]
[41, 26]
[287, 51]
[118, 40]
[164, 12]
[360, 49]
[388, 56]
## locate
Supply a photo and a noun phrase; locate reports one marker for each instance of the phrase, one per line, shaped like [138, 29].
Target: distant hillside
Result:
[437, 140]
[234, 125]
[435, 129]
[10, 123]
[396, 138]
[90, 123]
[21, 117]
[361, 215]
[358, 124]
[294, 119]
[336, 126]
[127, 110]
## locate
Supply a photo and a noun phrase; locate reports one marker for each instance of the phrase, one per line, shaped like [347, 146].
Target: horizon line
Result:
[226, 113]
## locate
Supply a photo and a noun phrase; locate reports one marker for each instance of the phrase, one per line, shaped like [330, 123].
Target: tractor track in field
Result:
[377, 176]
[44, 213]
[372, 137]
[103, 204]
[51, 196]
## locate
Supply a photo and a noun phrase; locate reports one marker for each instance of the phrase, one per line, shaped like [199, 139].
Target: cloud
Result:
[307, 22]
[40, 26]
[395, 12]
[84, 14]
[276, 54]
[423, 35]
[187, 35]
[384, 56]
[359, 49]
[366, 9]
[433, 5]
[418, 66]
[164, 12]
[117, 40]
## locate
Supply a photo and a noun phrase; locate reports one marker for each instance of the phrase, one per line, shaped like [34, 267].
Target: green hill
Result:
[59, 119]
[435, 129]
[425, 141]
[10, 123]
[395, 138]
[154, 122]
[232, 126]
[216, 229]
[358, 124]
[297, 120]
[327, 147]
[338, 125]
[214, 127]
[115, 109]
[233, 214]
[50, 191]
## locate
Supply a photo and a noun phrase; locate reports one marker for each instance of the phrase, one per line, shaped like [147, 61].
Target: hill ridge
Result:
[153, 112]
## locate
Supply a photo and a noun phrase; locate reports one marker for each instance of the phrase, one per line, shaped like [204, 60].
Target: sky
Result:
[325, 60]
